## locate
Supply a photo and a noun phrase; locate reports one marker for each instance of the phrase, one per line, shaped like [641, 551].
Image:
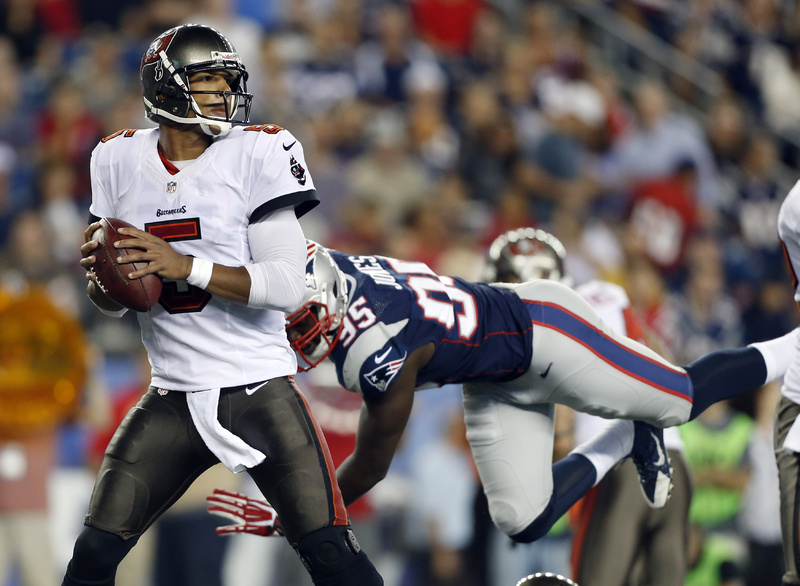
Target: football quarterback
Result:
[212, 205]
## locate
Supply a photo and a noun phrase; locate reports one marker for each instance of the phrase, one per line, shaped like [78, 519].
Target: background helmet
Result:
[172, 58]
[322, 310]
[545, 579]
[524, 254]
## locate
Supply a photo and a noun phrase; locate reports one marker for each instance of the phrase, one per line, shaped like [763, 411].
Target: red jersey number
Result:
[178, 296]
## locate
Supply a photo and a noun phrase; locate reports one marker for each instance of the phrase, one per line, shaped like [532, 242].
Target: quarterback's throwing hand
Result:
[254, 516]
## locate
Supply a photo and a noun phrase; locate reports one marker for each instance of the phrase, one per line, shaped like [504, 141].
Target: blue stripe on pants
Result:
[641, 367]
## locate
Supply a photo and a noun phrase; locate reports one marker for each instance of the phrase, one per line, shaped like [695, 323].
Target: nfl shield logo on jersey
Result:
[172, 187]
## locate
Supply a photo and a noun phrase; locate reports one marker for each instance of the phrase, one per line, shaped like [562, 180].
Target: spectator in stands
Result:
[650, 299]
[21, 23]
[387, 175]
[519, 96]
[61, 215]
[487, 48]
[447, 25]
[660, 141]
[67, 131]
[750, 215]
[432, 138]
[386, 67]
[99, 70]
[488, 155]
[707, 317]
[727, 132]
[125, 113]
[576, 116]
[663, 217]
[15, 128]
[324, 76]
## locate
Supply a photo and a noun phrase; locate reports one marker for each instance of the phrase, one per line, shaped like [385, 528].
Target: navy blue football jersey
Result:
[481, 332]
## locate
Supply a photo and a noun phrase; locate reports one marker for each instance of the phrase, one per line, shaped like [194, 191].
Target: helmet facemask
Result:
[320, 334]
[315, 327]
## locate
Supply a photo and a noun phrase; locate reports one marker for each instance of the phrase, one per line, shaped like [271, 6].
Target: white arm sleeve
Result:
[278, 246]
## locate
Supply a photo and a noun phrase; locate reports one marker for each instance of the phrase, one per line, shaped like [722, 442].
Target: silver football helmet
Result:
[524, 254]
[545, 579]
[169, 62]
[314, 328]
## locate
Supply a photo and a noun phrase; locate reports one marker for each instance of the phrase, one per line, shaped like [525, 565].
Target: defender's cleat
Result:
[649, 454]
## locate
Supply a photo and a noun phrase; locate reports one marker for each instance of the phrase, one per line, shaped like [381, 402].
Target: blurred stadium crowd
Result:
[430, 127]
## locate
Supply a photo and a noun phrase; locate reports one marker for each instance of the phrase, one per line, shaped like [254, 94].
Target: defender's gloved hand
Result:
[253, 516]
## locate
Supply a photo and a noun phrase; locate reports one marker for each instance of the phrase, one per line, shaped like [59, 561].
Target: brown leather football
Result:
[136, 294]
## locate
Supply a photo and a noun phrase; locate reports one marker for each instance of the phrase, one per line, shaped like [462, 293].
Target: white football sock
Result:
[608, 447]
[778, 354]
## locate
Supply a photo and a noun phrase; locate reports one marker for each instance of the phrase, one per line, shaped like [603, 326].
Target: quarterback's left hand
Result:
[253, 516]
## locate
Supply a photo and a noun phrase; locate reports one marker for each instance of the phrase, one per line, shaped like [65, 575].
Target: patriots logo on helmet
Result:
[297, 170]
[382, 377]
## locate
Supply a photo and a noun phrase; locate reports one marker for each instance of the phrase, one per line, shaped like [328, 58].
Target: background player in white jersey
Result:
[217, 204]
[787, 422]
[393, 326]
[615, 533]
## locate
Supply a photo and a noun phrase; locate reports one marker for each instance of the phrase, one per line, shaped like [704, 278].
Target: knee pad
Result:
[333, 557]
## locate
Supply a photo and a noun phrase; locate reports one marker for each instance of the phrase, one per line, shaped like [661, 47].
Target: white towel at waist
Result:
[231, 450]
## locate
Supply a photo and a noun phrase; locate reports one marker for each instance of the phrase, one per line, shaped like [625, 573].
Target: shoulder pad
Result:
[374, 356]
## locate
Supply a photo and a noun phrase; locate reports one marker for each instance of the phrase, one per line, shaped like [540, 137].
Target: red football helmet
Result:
[314, 328]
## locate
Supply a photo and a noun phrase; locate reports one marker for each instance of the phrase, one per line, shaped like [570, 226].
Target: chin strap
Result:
[213, 128]
[222, 128]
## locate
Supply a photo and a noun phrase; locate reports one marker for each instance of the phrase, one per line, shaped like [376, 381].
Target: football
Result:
[136, 294]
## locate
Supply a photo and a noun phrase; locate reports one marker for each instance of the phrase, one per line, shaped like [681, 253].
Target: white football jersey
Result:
[195, 340]
[610, 301]
[789, 233]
